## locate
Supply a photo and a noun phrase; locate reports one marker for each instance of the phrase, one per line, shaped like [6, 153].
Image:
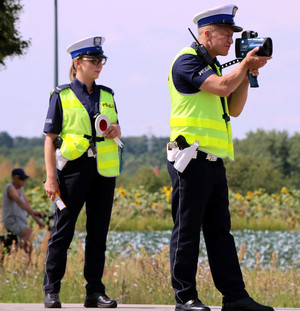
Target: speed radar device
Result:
[250, 41]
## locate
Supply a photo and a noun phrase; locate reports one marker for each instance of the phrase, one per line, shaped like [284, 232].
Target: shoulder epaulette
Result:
[61, 87]
[105, 88]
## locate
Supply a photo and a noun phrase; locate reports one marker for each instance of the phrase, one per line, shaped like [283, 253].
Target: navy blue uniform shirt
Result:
[54, 119]
[189, 72]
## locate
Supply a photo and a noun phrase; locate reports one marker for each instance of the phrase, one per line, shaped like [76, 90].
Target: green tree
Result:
[11, 43]
[273, 145]
[249, 174]
[293, 159]
[141, 151]
[151, 178]
[6, 140]
[28, 142]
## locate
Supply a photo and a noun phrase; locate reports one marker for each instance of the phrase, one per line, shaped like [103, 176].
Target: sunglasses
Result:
[96, 61]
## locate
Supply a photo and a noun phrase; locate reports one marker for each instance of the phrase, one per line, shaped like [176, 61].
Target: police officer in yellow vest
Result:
[202, 100]
[81, 168]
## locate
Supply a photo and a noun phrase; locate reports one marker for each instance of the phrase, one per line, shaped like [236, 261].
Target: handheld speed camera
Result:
[245, 44]
[250, 41]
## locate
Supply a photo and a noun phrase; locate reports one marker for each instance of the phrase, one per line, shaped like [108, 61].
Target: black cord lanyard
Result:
[225, 115]
[232, 62]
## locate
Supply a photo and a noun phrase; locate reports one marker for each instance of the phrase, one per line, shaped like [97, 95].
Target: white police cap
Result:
[222, 16]
[89, 47]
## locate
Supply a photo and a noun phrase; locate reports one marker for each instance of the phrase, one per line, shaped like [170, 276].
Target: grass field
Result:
[138, 280]
[146, 279]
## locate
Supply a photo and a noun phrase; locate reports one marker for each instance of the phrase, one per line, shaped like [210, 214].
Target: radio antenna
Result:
[194, 36]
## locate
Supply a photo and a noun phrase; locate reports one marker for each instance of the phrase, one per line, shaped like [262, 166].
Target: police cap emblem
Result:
[97, 41]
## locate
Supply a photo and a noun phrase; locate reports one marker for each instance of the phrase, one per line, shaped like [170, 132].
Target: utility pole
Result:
[149, 140]
[55, 46]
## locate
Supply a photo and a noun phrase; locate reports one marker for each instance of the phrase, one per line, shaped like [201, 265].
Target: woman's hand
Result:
[51, 188]
[113, 131]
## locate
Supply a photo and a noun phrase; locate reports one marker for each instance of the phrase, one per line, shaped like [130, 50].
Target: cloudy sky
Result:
[142, 38]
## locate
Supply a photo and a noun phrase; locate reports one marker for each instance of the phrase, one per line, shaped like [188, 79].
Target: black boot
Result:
[245, 304]
[52, 300]
[196, 305]
[98, 300]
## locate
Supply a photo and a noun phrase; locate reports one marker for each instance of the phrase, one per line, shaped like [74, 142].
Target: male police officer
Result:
[202, 100]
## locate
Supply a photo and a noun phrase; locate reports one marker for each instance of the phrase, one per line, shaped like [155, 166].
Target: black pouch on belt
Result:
[181, 142]
[58, 142]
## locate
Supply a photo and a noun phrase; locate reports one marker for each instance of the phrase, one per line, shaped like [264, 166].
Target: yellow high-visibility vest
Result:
[199, 117]
[76, 124]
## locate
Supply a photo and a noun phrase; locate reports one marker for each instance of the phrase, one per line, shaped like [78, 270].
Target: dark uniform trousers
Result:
[200, 201]
[80, 183]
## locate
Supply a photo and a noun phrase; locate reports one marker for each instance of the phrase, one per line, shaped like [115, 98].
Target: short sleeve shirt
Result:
[10, 209]
[189, 72]
[54, 119]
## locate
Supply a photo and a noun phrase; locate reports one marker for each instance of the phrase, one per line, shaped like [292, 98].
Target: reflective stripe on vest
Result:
[199, 117]
[76, 123]
[107, 150]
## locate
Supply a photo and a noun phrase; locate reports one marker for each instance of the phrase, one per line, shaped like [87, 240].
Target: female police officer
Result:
[81, 168]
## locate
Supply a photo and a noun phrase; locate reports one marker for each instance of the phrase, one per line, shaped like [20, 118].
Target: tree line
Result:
[267, 160]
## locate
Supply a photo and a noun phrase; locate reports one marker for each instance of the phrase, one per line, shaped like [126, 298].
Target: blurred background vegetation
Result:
[264, 194]
[263, 160]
